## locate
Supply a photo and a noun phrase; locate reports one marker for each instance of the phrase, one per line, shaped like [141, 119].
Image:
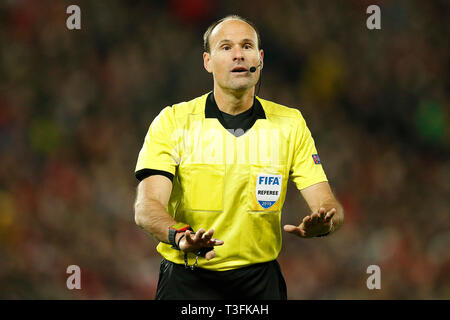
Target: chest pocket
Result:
[202, 186]
[266, 188]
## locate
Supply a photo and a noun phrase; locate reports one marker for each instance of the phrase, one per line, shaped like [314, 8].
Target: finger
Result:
[294, 230]
[189, 237]
[314, 217]
[306, 221]
[207, 236]
[289, 228]
[301, 232]
[210, 254]
[330, 215]
[215, 242]
[199, 234]
[322, 213]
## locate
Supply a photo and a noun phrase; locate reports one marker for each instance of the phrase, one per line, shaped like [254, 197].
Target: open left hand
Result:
[193, 242]
[316, 224]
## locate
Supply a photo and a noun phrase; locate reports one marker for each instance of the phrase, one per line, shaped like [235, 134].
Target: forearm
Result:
[153, 217]
[327, 214]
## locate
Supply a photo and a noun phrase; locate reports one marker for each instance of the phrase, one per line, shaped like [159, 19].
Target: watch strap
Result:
[173, 232]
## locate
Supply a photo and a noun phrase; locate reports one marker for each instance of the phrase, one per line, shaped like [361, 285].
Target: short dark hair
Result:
[229, 17]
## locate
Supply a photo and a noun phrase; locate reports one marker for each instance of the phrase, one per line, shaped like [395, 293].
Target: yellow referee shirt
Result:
[234, 185]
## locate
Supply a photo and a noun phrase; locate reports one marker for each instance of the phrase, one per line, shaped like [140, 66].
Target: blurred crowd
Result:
[75, 106]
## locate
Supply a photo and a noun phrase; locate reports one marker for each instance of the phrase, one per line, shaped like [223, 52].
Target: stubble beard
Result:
[238, 86]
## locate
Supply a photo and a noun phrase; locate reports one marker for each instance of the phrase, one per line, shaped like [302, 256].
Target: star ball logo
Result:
[316, 159]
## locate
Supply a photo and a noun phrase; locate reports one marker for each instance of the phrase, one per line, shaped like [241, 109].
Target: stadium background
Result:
[75, 106]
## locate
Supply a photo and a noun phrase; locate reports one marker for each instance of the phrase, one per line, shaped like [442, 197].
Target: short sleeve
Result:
[159, 151]
[306, 168]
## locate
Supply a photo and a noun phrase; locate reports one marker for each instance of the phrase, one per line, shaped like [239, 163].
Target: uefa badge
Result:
[268, 189]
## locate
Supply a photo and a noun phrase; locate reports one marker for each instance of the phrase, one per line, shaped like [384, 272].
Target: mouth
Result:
[239, 69]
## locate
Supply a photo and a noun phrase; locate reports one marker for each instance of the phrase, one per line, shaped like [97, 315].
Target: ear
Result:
[261, 57]
[207, 62]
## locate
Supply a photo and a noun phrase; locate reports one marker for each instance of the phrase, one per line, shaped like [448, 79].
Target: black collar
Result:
[213, 111]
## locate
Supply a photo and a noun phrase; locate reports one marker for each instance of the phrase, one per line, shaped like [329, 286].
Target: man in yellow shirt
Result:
[218, 165]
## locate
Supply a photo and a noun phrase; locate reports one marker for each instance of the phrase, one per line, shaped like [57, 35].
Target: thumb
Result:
[294, 230]
[289, 228]
[210, 255]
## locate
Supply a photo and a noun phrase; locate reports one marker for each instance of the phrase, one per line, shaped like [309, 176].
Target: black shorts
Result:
[262, 281]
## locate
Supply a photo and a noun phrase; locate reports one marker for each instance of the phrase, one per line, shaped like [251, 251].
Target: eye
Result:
[226, 47]
[247, 46]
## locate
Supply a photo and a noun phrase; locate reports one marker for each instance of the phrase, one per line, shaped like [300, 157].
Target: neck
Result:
[233, 102]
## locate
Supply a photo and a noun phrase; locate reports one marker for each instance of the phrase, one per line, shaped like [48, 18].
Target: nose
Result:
[237, 54]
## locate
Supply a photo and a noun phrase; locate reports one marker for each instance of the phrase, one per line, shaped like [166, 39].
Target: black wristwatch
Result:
[173, 230]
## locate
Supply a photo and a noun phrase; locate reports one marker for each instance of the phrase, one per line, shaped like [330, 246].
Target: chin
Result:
[241, 86]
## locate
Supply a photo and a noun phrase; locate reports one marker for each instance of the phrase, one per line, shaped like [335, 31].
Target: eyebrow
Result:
[228, 41]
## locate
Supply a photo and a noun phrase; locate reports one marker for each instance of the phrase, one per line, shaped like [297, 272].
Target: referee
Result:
[213, 176]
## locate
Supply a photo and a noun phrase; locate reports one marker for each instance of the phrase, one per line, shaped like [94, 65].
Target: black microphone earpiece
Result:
[253, 69]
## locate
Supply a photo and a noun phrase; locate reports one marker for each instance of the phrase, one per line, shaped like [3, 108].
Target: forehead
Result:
[234, 30]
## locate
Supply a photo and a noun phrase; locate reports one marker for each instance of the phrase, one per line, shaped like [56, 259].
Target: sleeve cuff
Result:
[144, 173]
